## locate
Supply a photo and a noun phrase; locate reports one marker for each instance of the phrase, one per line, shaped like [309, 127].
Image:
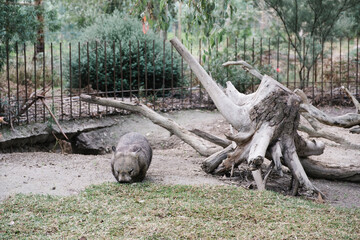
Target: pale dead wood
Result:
[346, 120]
[269, 115]
[329, 171]
[211, 138]
[194, 141]
[320, 133]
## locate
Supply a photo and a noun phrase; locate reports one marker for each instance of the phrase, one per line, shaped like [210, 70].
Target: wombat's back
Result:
[133, 142]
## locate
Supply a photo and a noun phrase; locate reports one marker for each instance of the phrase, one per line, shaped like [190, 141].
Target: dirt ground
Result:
[174, 162]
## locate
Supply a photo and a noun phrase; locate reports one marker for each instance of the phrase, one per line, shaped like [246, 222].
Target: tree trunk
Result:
[266, 118]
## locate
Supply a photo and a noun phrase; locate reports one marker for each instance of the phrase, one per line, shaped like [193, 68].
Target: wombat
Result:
[131, 158]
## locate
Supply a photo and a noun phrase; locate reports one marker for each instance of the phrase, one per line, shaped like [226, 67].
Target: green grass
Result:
[149, 211]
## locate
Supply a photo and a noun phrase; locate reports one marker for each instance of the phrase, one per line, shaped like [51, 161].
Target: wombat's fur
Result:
[131, 158]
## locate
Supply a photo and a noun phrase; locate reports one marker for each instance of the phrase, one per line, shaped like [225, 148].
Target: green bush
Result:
[120, 29]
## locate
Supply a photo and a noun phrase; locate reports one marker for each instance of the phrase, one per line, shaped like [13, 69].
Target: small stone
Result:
[53, 188]
[79, 175]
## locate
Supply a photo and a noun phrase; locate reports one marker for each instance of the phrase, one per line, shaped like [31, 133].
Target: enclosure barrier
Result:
[158, 77]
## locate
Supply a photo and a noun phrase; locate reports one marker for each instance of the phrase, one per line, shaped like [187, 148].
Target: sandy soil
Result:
[174, 162]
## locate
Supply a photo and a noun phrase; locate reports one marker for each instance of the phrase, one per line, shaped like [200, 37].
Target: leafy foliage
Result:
[142, 56]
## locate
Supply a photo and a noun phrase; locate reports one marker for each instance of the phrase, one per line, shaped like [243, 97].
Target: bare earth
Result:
[174, 162]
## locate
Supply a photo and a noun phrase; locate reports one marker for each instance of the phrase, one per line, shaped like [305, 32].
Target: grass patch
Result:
[149, 211]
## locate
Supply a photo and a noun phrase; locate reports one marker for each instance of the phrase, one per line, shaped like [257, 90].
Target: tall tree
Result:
[309, 21]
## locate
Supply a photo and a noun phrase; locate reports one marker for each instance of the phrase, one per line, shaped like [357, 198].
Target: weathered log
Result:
[194, 141]
[329, 171]
[262, 119]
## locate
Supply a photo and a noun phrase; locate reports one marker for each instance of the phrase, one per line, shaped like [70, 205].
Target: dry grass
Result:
[149, 211]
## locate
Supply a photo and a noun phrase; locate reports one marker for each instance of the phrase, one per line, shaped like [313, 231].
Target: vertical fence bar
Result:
[348, 64]
[146, 77]
[121, 72]
[357, 66]
[191, 78]
[278, 59]
[70, 79]
[97, 72]
[253, 62]
[172, 77]
[269, 52]
[88, 74]
[227, 57]
[153, 65]
[304, 78]
[61, 85]
[182, 80]
[8, 79]
[26, 84]
[105, 74]
[138, 69]
[130, 79]
[288, 64]
[163, 75]
[331, 69]
[200, 88]
[79, 77]
[235, 55]
[44, 84]
[340, 67]
[314, 69]
[244, 49]
[52, 74]
[35, 94]
[322, 70]
[261, 51]
[114, 71]
[295, 64]
[17, 82]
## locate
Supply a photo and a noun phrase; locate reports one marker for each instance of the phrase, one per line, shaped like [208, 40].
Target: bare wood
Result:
[52, 115]
[347, 120]
[353, 98]
[211, 138]
[320, 133]
[194, 141]
[228, 108]
[329, 171]
[212, 162]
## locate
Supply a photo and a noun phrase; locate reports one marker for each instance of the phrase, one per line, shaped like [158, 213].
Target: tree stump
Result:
[266, 121]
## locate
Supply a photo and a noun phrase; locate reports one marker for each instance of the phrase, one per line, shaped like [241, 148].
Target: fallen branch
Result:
[346, 121]
[194, 141]
[211, 138]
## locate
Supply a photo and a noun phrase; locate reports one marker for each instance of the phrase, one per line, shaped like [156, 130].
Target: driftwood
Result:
[265, 119]
[193, 140]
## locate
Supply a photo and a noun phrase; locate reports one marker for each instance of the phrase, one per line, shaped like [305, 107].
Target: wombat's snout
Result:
[124, 178]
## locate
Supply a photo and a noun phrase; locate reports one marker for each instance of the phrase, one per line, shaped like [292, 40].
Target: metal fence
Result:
[33, 84]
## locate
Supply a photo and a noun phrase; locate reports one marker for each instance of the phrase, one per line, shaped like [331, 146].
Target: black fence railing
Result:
[139, 71]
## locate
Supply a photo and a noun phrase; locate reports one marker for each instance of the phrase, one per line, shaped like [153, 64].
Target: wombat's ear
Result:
[113, 148]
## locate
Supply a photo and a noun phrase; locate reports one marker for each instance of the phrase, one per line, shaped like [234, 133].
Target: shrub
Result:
[121, 29]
